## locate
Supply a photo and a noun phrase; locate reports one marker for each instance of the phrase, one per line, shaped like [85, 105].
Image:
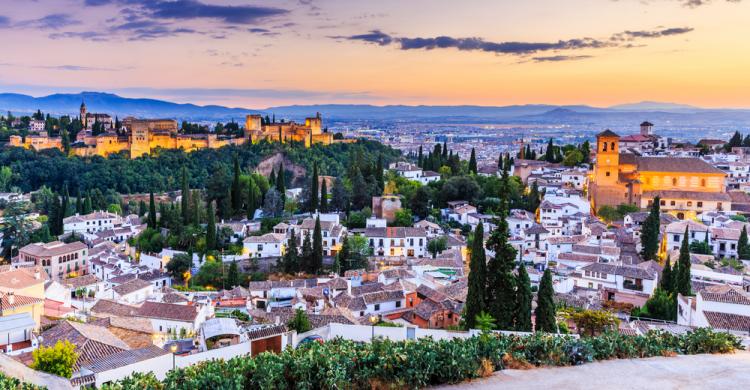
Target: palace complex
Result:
[686, 186]
[140, 136]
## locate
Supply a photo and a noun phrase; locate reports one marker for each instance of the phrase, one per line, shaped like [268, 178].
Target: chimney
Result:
[37, 274]
[11, 298]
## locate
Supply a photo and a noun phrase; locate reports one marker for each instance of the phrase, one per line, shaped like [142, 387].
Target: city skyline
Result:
[258, 54]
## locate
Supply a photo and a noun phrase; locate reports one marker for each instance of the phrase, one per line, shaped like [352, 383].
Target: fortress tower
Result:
[139, 139]
[252, 125]
[315, 124]
[83, 114]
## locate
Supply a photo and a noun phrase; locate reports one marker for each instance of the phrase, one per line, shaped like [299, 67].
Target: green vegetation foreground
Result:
[342, 364]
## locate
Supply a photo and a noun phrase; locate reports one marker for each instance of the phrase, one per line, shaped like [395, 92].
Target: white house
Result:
[722, 307]
[133, 291]
[676, 230]
[91, 223]
[267, 245]
[622, 278]
[397, 241]
[167, 317]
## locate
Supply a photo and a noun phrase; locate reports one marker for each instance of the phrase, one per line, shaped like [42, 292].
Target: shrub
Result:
[425, 362]
[58, 359]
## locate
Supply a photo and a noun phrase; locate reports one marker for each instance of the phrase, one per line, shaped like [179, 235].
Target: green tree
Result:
[501, 283]
[299, 322]
[185, 201]
[545, 311]
[666, 281]
[524, 298]
[437, 245]
[6, 175]
[650, 232]
[403, 218]
[661, 306]
[682, 284]
[178, 265]
[233, 276]
[306, 259]
[210, 274]
[572, 158]
[290, 260]
[473, 162]
[549, 154]
[743, 248]
[253, 198]
[339, 196]
[323, 197]
[58, 359]
[151, 211]
[477, 283]
[420, 202]
[211, 227]
[608, 213]
[316, 263]
[314, 202]
[281, 183]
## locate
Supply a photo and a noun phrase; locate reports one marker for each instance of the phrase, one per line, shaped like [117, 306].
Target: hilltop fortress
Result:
[140, 136]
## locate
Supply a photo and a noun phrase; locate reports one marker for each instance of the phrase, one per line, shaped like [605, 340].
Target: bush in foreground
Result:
[425, 362]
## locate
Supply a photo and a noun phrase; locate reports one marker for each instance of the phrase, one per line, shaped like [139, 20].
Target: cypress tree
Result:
[306, 259]
[281, 184]
[272, 177]
[252, 200]
[523, 298]
[743, 248]
[420, 160]
[501, 288]
[682, 284]
[65, 203]
[211, 227]
[88, 207]
[316, 263]
[314, 190]
[650, 233]
[549, 154]
[196, 198]
[323, 197]
[290, 261]
[666, 282]
[473, 162]
[477, 284]
[141, 208]
[545, 309]
[343, 256]
[185, 201]
[79, 202]
[379, 174]
[151, 211]
[233, 275]
[236, 194]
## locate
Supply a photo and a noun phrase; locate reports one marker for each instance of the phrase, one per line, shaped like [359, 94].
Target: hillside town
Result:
[650, 232]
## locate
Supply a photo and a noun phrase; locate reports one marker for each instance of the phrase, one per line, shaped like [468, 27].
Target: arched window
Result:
[703, 182]
[604, 146]
[674, 181]
[612, 146]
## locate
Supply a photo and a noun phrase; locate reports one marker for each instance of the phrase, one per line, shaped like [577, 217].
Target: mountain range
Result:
[676, 115]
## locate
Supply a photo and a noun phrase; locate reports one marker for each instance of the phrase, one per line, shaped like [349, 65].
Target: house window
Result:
[672, 203]
[674, 181]
[699, 204]
[607, 173]
[703, 182]
[663, 202]
[398, 303]
[676, 238]
[690, 204]
[377, 307]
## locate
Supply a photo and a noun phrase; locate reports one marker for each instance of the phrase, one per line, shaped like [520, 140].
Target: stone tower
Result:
[83, 115]
[647, 128]
[252, 125]
[139, 139]
[606, 169]
[315, 124]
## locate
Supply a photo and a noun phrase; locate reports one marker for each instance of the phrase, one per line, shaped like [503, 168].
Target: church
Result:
[686, 186]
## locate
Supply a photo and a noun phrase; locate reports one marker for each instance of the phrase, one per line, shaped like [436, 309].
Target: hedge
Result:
[342, 364]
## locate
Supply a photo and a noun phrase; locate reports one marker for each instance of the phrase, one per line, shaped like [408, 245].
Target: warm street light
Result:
[173, 349]
[373, 321]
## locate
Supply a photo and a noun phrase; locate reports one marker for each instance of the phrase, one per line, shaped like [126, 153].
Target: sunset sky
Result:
[493, 52]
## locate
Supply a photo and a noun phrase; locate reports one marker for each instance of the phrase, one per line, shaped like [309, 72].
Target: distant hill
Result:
[655, 106]
[674, 119]
[59, 104]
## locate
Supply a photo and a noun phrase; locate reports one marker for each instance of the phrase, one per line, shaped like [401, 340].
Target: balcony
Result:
[630, 285]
